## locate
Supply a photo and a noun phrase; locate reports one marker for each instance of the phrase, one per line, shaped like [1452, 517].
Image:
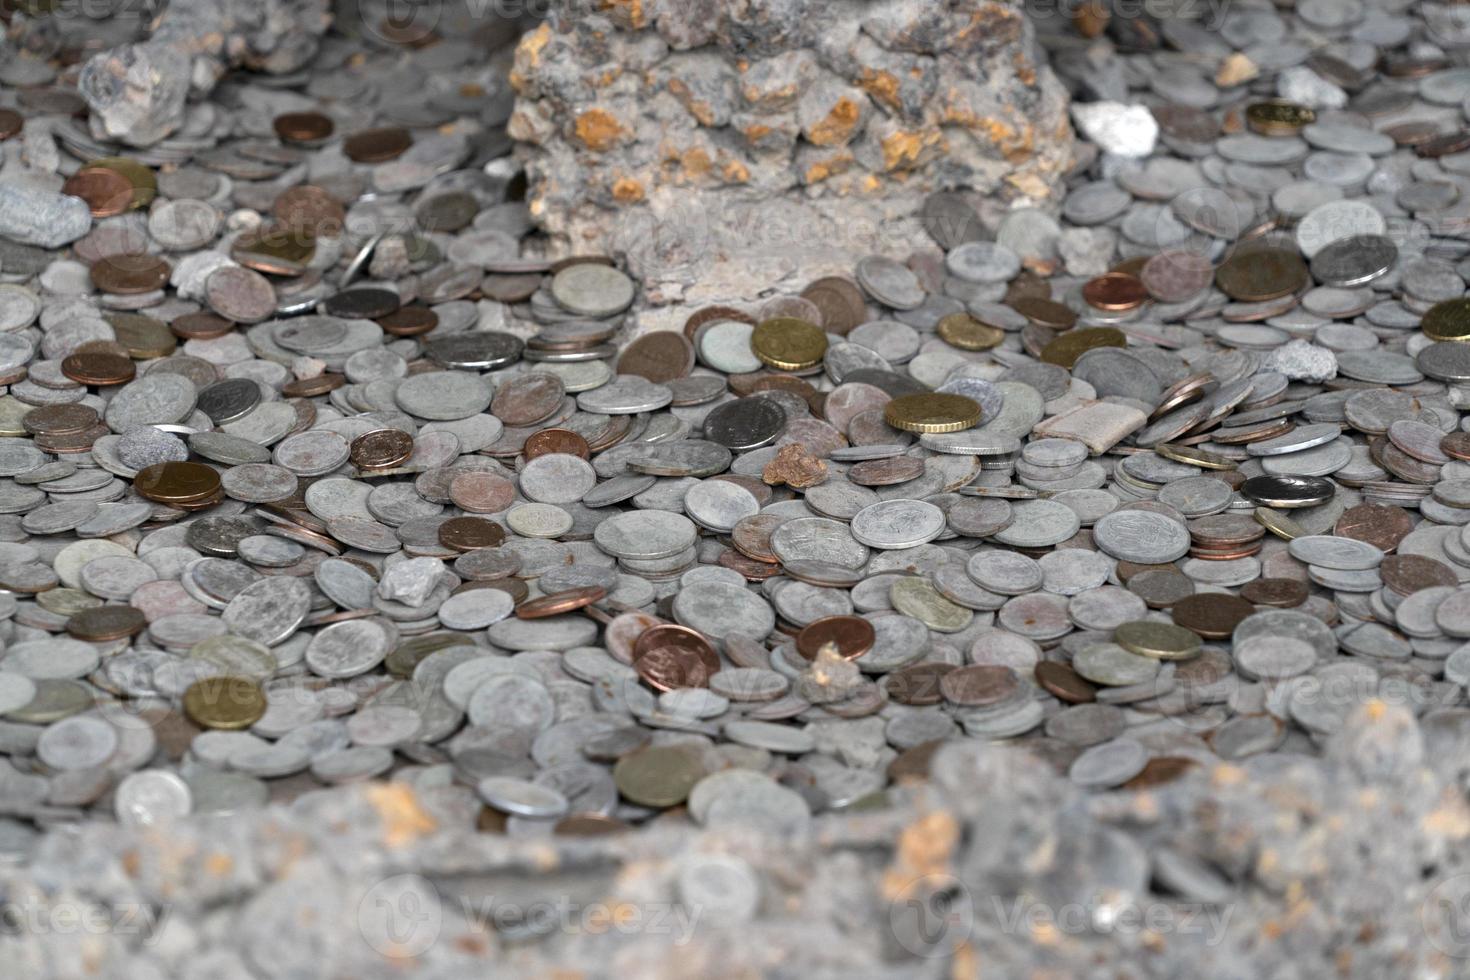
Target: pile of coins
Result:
[308, 483]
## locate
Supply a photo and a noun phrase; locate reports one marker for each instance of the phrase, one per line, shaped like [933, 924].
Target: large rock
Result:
[683, 134]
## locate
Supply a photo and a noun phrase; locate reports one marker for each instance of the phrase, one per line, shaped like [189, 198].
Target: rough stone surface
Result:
[40, 217]
[1122, 130]
[1301, 360]
[1232, 870]
[145, 445]
[139, 92]
[788, 132]
[411, 581]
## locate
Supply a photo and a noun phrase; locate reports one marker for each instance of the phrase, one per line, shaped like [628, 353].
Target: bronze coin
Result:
[377, 145]
[11, 122]
[682, 657]
[561, 602]
[102, 624]
[1407, 574]
[409, 321]
[556, 441]
[59, 419]
[1115, 292]
[106, 192]
[1161, 770]
[1283, 593]
[310, 209]
[1378, 524]
[470, 534]
[1065, 683]
[852, 636]
[709, 314]
[381, 448]
[917, 684]
[1213, 616]
[1045, 312]
[98, 368]
[1161, 588]
[177, 483]
[840, 301]
[660, 356]
[129, 274]
[302, 127]
[977, 685]
[200, 326]
[1456, 444]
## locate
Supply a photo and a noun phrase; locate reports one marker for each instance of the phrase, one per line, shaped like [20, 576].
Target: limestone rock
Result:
[34, 216]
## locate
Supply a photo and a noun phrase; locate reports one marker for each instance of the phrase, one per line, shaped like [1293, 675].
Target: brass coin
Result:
[930, 412]
[1278, 117]
[143, 336]
[967, 333]
[102, 624]
[1071, 345]
[1161, 641]
[1279, 524]
[787, 343]
[1449, 320]
[226, 703]
[1195, 456]
[1045, 312]
[1259, 274]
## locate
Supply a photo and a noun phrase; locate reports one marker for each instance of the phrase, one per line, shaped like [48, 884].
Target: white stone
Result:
[411, 581]
[1301, 84]
[1122, 130]
[1087, 251]
[1303, 361]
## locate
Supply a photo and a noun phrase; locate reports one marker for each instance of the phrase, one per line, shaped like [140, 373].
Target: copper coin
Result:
[660, 356]
[409, 321]
[840, 301]
[128, 274]
[97, 368]
[682, 657]
[1283, 593]
[377, 145]
[106, 623]
[752, 536]
[1065, 683]
[709, 314]
[556, 441]
[381, 448]
[200, 326]
[106, 192]
[1407, 574]
[72, 442]
[1115, 292]
[1161, 770]
[302, 127]
[310, 387]
[1378, 524]
[754, 571]
[11, 123]
[853, 636]
[59, 419]
[1213, 616]
[917, 684]
[177, 483]
[561, 602]
[308, 208]
[1456, 444]
[979, 684]
[470, 534]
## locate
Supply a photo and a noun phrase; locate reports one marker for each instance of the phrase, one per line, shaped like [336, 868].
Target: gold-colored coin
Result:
[967, 333]
[1259, 274]
[1449, 320]
[787, 343]
[1161, 641]
[66, 602]
[12, 410]
[1195, 457]
[1279, 524]
[1071, 345]
[932, 413]
[1278, 117]
[227, 703]
[143, 336]
[145, 184]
